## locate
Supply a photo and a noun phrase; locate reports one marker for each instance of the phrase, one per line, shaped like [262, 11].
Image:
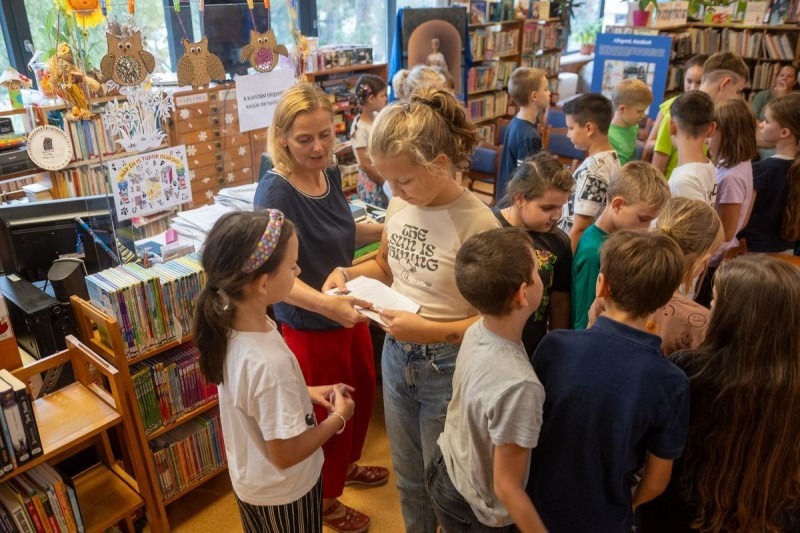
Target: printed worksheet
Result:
[381, 297]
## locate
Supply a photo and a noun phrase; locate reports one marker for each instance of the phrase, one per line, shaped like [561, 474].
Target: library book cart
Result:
[90, 321]
[81, 415]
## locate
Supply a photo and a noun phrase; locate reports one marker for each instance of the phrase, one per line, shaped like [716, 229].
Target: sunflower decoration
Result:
[87, 12]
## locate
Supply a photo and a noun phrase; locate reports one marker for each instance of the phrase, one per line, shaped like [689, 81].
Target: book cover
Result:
[61, 494]
[13, 419]
[26, 412]
[76, 510]
[24, 498]
[33, 494]
[19, 514]
[477, 13]
[54, 512]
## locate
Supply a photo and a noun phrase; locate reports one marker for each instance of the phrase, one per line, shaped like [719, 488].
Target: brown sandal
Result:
[370, 476]
[344, 519]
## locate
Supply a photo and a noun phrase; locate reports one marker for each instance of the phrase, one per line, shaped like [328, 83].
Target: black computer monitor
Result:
[34, 235]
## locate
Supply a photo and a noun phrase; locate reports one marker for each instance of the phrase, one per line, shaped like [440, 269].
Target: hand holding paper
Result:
[384, 299]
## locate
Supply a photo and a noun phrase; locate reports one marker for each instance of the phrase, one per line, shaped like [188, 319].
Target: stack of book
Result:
[36, 192]
[152, 306]
[170, 385]
[39, 500]
[188, 453]
[20, 435]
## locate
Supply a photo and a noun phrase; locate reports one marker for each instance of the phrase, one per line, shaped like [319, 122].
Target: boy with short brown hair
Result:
[614, 403]
[631, 98]
[635, 197]
[588, 119]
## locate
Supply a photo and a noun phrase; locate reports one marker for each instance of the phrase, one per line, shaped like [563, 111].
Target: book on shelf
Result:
[13, 427]
[477, 13]
[36, 192]
[16, 509]
[21, 495]
[54, 480]
[35, 509]
[169, 386]
[50, 501]
[152, 306]
[186, 454]
[26, 412]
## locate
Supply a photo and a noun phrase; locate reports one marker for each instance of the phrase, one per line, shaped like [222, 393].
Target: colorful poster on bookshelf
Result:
[258, 95]
[646, 57]
[151, 182]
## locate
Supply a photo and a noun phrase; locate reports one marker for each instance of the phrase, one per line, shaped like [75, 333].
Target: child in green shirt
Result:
[631, 98]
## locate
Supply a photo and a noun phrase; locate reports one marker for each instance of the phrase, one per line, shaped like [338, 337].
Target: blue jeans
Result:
[417, 386]
[453, 512]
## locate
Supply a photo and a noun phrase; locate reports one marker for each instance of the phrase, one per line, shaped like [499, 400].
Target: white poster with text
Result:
[258, 95]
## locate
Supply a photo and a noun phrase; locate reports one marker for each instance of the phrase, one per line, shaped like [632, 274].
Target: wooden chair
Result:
[501, 125]
[484, 164]
[791, 259]
[558, 144]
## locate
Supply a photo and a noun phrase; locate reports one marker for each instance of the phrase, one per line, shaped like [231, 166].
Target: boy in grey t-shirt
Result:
[477, 480]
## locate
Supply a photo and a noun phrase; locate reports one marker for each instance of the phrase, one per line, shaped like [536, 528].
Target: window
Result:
[4, 64]
[354, 22]
[584, 16]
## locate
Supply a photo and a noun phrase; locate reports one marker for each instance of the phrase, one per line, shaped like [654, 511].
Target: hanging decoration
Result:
[70, 83]
[131, 7]
[301, 47]
[136, 122]
[13, 81]
[263, 51]
[88, 13]
[198, 67]
[127, 62]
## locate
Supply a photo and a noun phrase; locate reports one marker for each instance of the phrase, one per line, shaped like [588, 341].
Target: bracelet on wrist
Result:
[343, 270]
[344, 422]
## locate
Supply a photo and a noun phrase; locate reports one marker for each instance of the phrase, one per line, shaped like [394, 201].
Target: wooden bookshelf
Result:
[534, 43]
[81, 415]
[89, 321]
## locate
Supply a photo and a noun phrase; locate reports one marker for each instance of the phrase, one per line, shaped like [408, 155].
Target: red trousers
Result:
[342, 355]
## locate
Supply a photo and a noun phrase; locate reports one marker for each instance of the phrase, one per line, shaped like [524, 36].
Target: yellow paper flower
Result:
[87, 12]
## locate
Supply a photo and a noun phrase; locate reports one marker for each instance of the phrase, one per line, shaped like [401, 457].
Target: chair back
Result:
[501, 125]
[484, 165]
[556, 118]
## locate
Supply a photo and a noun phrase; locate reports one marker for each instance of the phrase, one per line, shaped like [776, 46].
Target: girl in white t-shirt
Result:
[417, 147]
[371, 97]
[272, 439]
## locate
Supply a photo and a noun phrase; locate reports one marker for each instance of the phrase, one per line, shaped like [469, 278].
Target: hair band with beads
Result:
[266, 245]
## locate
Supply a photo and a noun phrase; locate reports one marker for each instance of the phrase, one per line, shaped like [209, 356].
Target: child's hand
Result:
[322, 396]
[342, 401]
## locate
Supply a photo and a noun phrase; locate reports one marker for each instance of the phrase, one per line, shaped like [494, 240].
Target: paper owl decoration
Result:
[126, 62]
[198, 67]
[263, 50]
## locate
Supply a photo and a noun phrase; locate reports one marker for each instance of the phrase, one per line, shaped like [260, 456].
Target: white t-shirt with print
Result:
[264, 397]
[423, 243]
[359, 136]
[591, 186]
[696, 181]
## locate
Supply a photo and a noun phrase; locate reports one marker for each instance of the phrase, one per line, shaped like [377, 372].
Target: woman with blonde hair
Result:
[417, 147]
[740, 470]
[307, 187]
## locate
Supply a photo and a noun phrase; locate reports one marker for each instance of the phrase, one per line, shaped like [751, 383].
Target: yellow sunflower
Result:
[87, 12]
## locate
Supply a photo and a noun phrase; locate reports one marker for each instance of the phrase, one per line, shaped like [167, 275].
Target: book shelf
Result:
[80, 415]
[90, 321]
[218, 154]
[499, 47]
[339, 84]
[765, 48]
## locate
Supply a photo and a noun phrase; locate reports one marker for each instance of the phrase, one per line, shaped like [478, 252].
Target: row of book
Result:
[550, 63]
[152, 306]
[753, 44]
[488, 106]
[764, 75]
[488, 44]
[487, 131]
[170, 385]
[188, 453]
[90, 139]
[20, 440]
[39, 501]
[490, 76]
[80, 181]
[491, 11]
[542, 37]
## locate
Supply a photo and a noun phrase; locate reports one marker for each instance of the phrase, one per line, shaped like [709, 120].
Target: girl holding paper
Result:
[417, 148]
[307, 187]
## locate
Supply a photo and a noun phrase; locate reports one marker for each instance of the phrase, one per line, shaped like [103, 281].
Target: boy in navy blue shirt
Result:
[528, 89]
[613, 402]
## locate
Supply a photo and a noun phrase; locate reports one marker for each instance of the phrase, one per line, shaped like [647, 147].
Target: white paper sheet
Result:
[381, 297]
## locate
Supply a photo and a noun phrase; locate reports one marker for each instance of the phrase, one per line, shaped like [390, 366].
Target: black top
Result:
[554, 252]
[771, 185]
[327, 234]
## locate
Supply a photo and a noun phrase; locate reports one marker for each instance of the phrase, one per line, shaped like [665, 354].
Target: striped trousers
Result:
[300, 516]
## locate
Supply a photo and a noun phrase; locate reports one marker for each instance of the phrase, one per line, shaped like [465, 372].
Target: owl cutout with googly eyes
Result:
[126, 62]
[263, 50]
[198, 67]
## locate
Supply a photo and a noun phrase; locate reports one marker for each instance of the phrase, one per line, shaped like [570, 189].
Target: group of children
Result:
[549, 425]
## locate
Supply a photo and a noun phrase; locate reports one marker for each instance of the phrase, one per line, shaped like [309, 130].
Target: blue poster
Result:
[620, 56]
